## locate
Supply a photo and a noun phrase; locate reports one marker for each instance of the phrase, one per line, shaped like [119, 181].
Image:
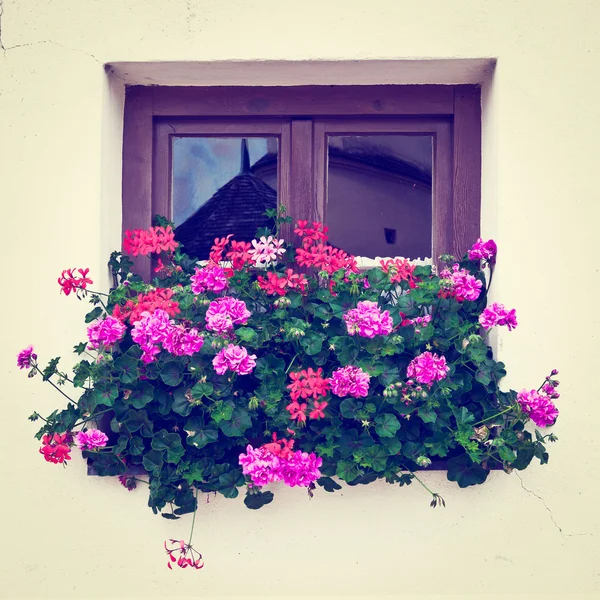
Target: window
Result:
[392, 170]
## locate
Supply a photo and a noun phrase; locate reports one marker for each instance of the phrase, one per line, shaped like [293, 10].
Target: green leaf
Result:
[105, 393]
[258, 499]
[198, 436]
[465, 472]
[202, 390]
[376, 458]
[386, 425]
[128, 367]
[93, 314]
[82, 372]
[438, 444]
[392, 445]
[50, 368]
[247, 335]
[141, 395]
[463, 417]
[328, 484]
[222, 411]
[172, 373]
[137, 420]
[347, 470]
[181, 404]
[136, 446]
[153, 461]
[229, 483]
[269, 365]
[312, 342]
[170, 443]
[525, 455]
[240, 421]
[427, 415]
[506, 454]
[107, 464]
[349, 407]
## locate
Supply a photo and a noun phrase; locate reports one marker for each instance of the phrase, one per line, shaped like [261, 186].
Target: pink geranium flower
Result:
[539, 407]
[234, 358]
[427, 368]
[211, 278]
[368, 320]
[350, 381]
[91, 439]
[26, 358]
[105, 332]
[497, 314]
[224, 313]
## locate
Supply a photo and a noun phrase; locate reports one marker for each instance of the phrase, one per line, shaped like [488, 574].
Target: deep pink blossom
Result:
[211, 278]
[463, 285]
[234, 358]
[91, 439]
[224, 313]
[497, 314]
[105, 332]
[427, 368]
[368, 320]
[539, 407]
[293, 468]
[350, 381]
[26, 358]
[484, 251]
[156, 330]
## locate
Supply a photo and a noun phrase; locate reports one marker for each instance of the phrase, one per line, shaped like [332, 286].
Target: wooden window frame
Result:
[302, 117]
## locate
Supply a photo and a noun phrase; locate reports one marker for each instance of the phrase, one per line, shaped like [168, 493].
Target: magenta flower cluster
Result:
[464, 286]
[105, 332]
[427, 368]
[497, 314]
[156, 330]
[90, 439]
[294, 469]
[484, 251]
[211, 278]
[234, 358]
[538, 406]
[350, 381]
[224, 313]
[368, 320]
[26, 358]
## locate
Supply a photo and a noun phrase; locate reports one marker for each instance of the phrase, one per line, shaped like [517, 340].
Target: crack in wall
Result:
[49, 42]
[543, 502]
[1, 13]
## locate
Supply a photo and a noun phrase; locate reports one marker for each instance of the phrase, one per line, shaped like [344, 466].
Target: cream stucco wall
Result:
[71, 536]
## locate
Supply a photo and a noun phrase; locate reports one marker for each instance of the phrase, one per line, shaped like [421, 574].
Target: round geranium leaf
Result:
[172, 373]
[170, 443]
[239, 422]
[465, 472]
[258, 500]
[386, 425]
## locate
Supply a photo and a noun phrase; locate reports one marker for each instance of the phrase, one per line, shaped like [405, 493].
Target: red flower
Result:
[56, 447]
[308, 383]
[326, 258]
[239, 254]
[311, 234]
[399, 269]
[158, 298]
[275, 285]
[147, 241]
[216, 252]
[318, 413]
[70, 282]
[127, 482]
[297, 411]
[188, 557]
[281, 447]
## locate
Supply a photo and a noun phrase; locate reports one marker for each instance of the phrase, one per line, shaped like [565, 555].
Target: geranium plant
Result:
[271, 362]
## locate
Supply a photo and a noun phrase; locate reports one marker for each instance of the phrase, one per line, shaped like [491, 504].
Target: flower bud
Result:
[423, 461]
[253, 403]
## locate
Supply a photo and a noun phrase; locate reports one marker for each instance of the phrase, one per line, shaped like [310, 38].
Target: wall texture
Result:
[71, 536]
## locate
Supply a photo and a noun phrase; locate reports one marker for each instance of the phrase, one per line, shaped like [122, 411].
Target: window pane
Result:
[221, 186]
[379, 198]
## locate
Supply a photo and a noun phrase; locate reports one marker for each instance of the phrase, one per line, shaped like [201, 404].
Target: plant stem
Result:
[413, 474]
[194, 518]
[496, 415]
[291, 363]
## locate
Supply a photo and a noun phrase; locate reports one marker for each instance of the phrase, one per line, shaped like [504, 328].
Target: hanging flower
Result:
[70, 282]
[56, 447]
[485, 251]
[91, 439]
[497, 314]
[461, 284]
[26, 358]
[183, 555]
[538, 407]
